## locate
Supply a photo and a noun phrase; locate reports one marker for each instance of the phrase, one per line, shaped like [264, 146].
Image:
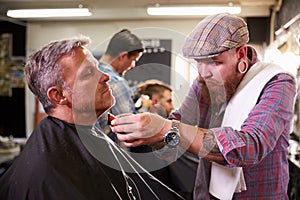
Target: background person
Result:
[160, 97]
[66, 156]
[182, 172]
[155, 97]
[244, 110]
[123, 51]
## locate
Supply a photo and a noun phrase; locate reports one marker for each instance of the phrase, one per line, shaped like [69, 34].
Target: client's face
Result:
[90, 94]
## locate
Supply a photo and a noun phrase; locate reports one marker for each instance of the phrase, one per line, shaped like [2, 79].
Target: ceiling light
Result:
[39, 13]
[192, 10]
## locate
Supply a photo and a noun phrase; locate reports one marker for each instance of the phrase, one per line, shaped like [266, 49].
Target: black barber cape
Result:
[64, 161]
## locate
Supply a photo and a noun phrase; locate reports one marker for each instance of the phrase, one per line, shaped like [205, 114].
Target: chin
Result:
[113, 101]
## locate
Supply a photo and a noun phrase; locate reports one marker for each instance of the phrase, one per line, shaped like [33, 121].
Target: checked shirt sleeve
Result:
[266, 128]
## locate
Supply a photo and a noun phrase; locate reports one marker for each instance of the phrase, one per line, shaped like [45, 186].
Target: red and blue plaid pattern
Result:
[214, 35]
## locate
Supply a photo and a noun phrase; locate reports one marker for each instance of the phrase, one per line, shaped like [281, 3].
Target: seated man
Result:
[66, 156]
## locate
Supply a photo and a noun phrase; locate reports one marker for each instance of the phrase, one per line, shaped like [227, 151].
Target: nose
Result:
[204, 70]
[104, 77]
[172, 106]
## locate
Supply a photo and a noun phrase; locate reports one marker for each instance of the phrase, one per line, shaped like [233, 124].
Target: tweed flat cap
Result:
[214, 35]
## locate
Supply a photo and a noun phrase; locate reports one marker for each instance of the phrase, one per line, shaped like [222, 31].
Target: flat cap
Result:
[214, 35]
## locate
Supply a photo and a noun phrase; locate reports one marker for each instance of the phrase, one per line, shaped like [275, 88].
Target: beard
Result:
[218, 92]
[212, 92]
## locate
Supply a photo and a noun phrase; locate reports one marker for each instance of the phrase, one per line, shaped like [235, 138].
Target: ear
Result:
[123, 55]
[55, 94]
[154, 99]
[242, 52]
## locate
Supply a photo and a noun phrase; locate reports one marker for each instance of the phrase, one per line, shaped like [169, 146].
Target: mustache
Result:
[209, 81]
[201, 80]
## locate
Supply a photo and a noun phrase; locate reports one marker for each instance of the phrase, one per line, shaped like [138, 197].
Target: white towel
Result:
[225, 180]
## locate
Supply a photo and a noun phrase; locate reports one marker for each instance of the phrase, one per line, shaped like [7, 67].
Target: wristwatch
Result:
[172, 137]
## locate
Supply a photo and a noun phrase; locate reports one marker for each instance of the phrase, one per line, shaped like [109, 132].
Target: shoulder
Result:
[108, 69]
[277, 70]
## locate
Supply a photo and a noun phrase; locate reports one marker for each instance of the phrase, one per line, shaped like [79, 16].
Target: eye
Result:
[217, 63]
[212, 62]
[88, 73]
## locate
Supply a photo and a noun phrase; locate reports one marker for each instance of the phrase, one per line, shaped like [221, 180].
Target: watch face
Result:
[172, 139]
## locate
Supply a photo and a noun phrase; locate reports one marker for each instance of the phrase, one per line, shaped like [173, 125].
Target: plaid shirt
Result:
[260, 146]
[122, 94]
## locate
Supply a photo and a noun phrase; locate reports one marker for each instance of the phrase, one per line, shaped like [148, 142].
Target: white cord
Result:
[111, 144]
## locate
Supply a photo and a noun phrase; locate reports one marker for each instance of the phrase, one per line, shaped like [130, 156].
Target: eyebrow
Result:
[207, 60]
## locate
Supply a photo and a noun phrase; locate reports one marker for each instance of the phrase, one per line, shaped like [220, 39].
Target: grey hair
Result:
[42, 69]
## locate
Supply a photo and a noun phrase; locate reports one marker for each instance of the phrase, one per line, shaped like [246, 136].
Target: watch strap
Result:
[175, 126]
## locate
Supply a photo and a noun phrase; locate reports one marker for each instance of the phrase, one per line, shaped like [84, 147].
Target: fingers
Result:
[124, 115]
[137, 129]
[132, 120]
[123, 119]
[129, 141]
[124, 128]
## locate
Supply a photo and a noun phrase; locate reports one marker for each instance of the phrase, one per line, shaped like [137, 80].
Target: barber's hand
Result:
[140, 129]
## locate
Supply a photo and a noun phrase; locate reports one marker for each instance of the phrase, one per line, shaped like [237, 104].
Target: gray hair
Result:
[43, 70]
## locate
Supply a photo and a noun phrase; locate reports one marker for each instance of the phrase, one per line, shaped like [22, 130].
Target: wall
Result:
[288, 10]
[12, 94]
[39, 33]
[285, 49]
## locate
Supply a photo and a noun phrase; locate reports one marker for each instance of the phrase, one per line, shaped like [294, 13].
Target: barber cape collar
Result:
[225, 181]
[125, 163]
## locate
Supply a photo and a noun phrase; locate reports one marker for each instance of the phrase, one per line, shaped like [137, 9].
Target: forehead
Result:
[204, 60]
[76, 53]
[79, 57]
[167, 94]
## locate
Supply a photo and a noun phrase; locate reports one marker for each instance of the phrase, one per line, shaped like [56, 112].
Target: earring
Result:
[245, 66]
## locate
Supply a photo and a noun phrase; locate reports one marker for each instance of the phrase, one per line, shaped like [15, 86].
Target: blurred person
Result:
[237, 116]
[182, 172]
[156, 97]
[123, 51]
[66, 156]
